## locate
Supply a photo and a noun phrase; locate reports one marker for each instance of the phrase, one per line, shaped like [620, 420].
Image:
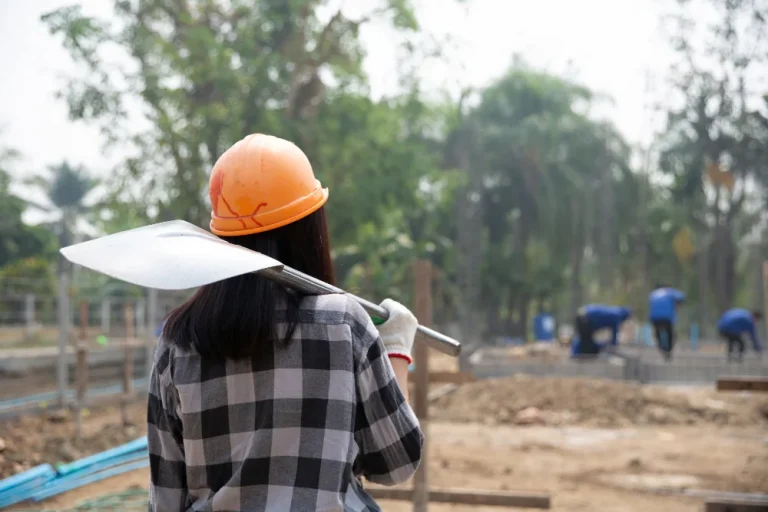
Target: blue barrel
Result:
[694, 336]
[544, 327]
[646, 334]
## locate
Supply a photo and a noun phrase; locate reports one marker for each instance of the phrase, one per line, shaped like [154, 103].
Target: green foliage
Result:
[208, 73]
[544, 164]
[717, 126]
[17, 240]
[557, 214]
[28, 275]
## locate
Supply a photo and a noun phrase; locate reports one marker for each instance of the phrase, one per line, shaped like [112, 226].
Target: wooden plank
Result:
[444, 377]
[759, 384]
[422, 294]
[468, 497]
[736, 506]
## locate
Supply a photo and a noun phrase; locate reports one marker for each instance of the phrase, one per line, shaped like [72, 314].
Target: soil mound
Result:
[598, 403]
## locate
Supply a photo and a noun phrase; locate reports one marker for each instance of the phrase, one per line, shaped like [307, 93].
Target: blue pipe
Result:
[108, 463]
[40, 397]
[95, 468]
[67, 486]
[135, 445]
[49, 481]
[23, 492]
[75, 480]
[41, 471]
[46, 481]
[69, 394]
[25, 487]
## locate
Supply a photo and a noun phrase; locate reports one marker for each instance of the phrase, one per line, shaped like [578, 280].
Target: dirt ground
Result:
[597, 403]
[599, 456]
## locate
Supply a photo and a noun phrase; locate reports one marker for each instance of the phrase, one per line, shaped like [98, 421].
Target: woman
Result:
[264, 399]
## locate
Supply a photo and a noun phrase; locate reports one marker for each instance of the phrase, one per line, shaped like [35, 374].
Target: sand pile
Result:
[599, 403]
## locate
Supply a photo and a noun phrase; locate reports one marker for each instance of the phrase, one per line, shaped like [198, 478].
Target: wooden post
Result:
[141, 322]
[62, 373]
[422, 294]
[128, 362]
[152, 318]
[81, 371]
[29, 315]
[106, 309]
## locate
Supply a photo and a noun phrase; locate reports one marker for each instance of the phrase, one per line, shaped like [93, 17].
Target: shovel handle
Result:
[307, 284]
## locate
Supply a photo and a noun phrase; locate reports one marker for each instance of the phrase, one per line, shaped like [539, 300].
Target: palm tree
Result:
[65, 188]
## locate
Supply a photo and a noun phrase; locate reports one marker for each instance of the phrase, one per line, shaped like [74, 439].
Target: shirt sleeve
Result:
[168, 482]
[386, 428]
[679, 296]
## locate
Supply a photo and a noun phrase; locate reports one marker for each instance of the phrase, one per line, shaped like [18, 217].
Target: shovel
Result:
[177, 255]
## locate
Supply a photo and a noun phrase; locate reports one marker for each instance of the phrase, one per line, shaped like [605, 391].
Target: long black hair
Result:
[238, 317]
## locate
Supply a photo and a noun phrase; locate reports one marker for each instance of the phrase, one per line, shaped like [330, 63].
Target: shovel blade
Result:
[174, 255]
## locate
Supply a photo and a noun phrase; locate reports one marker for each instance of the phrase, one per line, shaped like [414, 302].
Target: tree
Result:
[715, 146]
[66, 189]
[17, 240]
[543, 165]
[206, 73]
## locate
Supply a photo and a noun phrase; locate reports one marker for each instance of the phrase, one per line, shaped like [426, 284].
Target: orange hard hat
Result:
[262, 183]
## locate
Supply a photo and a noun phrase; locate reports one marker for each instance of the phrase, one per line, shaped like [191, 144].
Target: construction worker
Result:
[662, 306]
[265, 399]
[732, 325]
[592, 318]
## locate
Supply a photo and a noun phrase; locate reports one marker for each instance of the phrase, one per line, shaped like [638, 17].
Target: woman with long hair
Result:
[262, 398]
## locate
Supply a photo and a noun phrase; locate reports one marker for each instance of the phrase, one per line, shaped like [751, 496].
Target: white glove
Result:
[398, 331]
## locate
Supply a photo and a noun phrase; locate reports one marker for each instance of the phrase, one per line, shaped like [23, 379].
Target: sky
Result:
[612, 46]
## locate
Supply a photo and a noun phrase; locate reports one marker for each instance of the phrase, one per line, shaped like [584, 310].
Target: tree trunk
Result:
[522, 316]
[723, 268]
[580, 226]
[704, 286]
[493, 321]
[606, 231]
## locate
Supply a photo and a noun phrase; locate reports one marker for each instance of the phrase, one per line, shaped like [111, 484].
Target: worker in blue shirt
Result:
[592, 318]
[733, 324]
[662, 306]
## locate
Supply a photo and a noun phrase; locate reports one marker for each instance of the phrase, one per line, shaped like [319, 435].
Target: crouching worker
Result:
[662, 312]
[732, 325]
[262, 398]
[592, 318]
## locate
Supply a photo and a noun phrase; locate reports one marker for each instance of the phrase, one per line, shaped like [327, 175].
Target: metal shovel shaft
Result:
[307, 284]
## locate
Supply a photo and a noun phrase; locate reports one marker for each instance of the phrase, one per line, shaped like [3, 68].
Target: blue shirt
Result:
[662, 304]
[736, 321]
[600, 316]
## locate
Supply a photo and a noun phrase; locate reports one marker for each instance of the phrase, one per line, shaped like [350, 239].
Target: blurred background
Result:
[542, 155]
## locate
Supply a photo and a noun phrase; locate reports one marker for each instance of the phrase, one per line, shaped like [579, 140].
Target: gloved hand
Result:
[398, 332]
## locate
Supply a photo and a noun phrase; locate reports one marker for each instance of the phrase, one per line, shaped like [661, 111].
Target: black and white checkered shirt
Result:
[292, 431]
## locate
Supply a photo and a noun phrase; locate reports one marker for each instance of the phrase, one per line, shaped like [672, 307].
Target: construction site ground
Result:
[593, 445]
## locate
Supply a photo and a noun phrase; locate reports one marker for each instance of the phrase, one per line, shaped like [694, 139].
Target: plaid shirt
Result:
[290, 431]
